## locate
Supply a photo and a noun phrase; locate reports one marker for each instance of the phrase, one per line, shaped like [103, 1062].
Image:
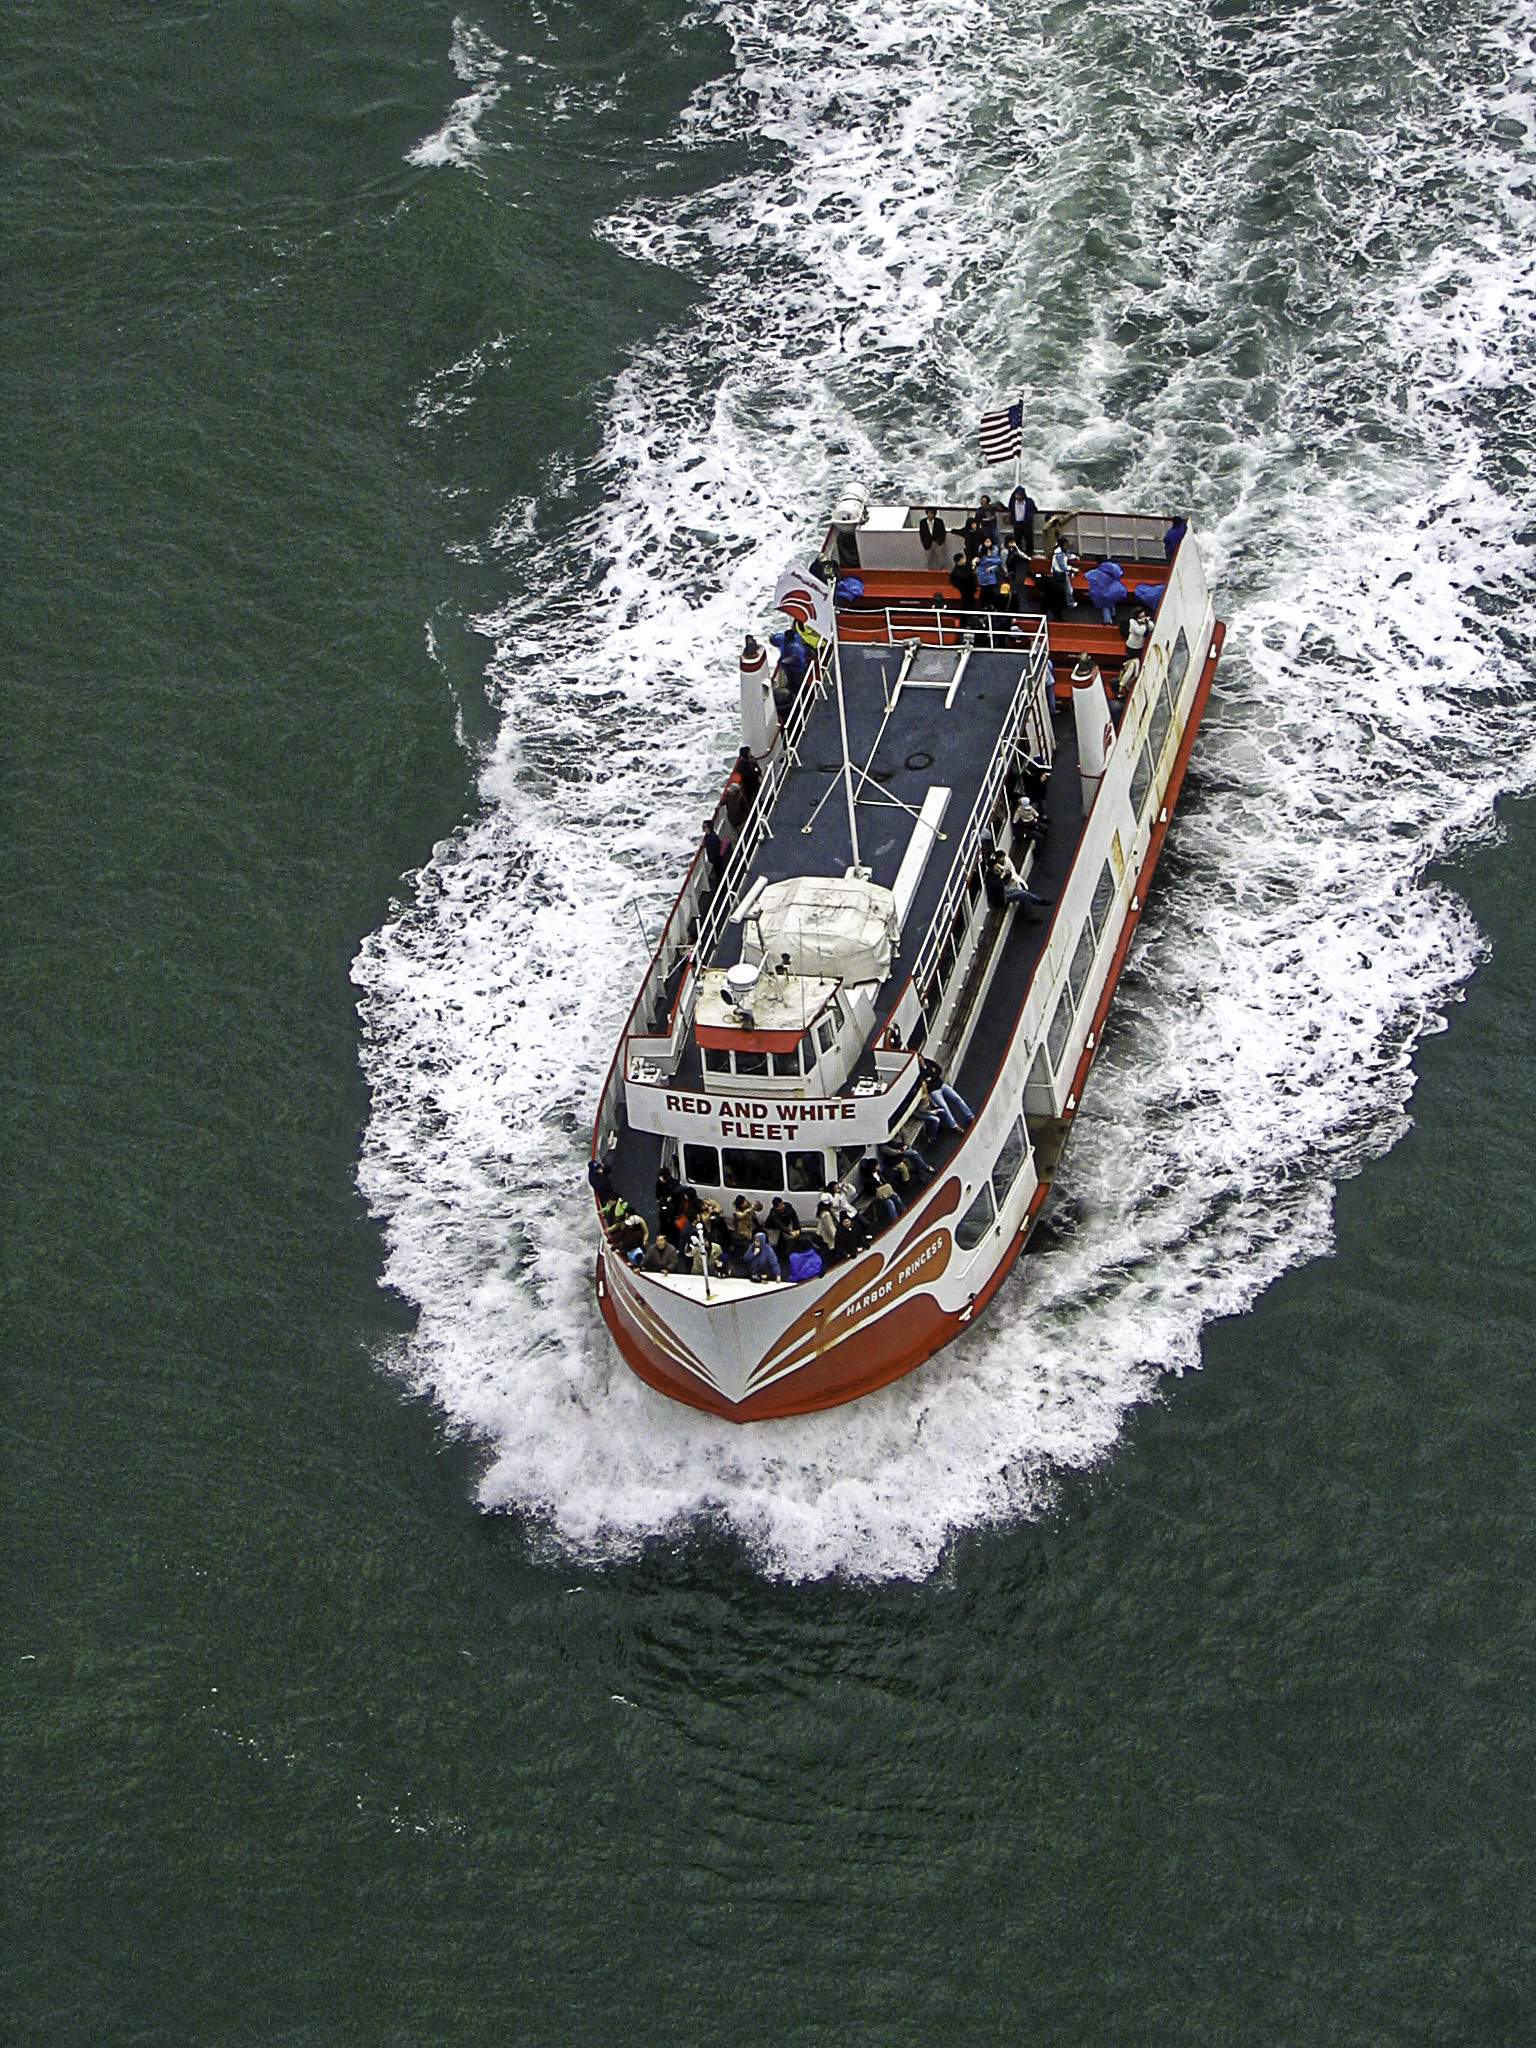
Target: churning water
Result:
[1275, 272]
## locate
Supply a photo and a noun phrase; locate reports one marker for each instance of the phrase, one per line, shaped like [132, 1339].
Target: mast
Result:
[842, 722]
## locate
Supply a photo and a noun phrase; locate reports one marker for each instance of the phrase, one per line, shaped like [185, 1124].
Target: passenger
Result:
[1125, 682]
[760, 1259]
[1036, 777]
[963, 577]
[946, 1099]
[1021, 510]
[927, 1113]
[989, 575]
[986, 519]
[932, 531]
[1016, 575]
[1061, 582]
[852, 1236]
[808, 1263]
[781, 1218]
[736, 807]
[714, 850]
[826, 1227]
[906, 1169]
[1005, 884]
[615, 1209]
[1138, 626]
[600, 1180]
[746, 1219]
[794, 655]
[631, 1235]
[1173, 536]
[970, 537]
[1028, 822]
[1106, 589]
[883, 1198]
[661, 1256]
[748, 774]
[705, 1257]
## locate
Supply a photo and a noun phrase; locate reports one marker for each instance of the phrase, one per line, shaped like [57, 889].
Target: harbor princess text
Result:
[752, 1119]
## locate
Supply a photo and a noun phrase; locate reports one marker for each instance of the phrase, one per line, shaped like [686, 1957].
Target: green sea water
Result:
[1234, 1743]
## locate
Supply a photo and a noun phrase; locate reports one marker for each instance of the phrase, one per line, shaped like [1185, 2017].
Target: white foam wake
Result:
[1322, 367]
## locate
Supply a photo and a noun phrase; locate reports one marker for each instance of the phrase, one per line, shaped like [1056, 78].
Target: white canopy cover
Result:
[826, 926]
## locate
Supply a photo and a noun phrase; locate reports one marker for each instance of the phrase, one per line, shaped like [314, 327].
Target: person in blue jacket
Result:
[989, 574]
[1106, 589]
[794, 655]
[1173, 536]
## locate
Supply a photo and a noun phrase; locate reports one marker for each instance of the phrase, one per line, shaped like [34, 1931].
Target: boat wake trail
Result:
[1291, 294]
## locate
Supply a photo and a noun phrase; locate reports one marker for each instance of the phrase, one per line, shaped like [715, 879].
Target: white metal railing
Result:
[1032, 683]
[946, 626]
[676, 944]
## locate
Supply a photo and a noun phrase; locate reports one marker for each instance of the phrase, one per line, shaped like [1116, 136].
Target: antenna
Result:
[842, 726]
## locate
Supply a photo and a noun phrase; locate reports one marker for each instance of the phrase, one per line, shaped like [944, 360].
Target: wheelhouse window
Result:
[751, 1063]
[787, 1064]
[763, 1171]
[826, 1034]
[716, 1060]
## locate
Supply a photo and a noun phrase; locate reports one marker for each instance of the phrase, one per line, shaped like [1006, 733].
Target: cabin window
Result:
[1009, 1160]
[807, 1172]
[848, 1157]
[1061, 1024]
[760, 1170]
[1039, 1079]
[1157, 726]
[977, 1220]
[701, 1166]
[1103, 897]
[751, 1063]
[1178, 664]
[826, 1034]
[1141, 776]
[716, 1060]
[787, 1064]
[1082, 964]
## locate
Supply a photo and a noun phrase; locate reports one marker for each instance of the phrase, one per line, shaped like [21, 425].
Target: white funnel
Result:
[1095, 728]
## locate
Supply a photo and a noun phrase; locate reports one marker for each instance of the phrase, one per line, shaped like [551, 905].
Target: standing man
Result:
[1021, 510]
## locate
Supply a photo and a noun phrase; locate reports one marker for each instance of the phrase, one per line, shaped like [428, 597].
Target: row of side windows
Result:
[1081, 966]
[993, 1192]
[1158, 724]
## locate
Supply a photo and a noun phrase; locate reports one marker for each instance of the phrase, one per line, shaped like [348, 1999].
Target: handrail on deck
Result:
[1025, 697]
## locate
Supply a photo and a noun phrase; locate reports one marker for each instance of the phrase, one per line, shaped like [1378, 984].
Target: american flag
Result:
[1002, 433]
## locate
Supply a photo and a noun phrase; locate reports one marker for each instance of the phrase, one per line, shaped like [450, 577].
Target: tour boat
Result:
[843, 922]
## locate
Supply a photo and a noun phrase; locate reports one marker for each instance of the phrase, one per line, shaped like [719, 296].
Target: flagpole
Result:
[842, 721]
